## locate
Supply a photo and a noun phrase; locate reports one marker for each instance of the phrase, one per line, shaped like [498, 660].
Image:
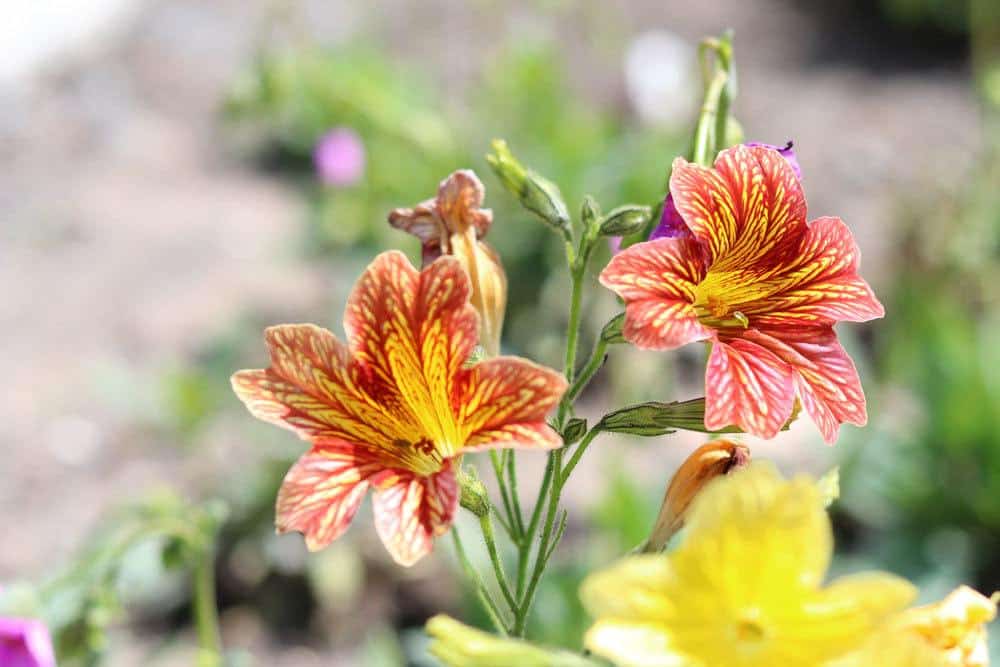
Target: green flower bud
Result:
[625, 220]
[536, 193]
[574, 430]
[612, 331]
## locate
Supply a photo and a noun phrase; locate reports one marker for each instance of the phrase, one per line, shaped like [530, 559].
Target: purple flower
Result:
[671, 224]
[25, 643]
[339, 157]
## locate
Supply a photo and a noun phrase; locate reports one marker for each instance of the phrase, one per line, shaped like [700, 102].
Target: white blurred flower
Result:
[661, 78]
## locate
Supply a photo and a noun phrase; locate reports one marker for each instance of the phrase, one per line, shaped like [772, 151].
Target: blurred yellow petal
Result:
[955, 626]
[744, 587]
[630, 644]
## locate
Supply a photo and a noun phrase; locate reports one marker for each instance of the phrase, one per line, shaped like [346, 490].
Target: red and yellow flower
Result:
[394, 408]
[758, 282]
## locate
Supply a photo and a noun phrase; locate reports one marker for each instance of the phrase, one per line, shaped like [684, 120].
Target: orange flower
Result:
[453, 224]
[395, 408]
[761, 285]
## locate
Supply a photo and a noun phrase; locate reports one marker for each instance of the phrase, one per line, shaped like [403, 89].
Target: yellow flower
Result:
[949, 633]
[744, 588]
[956, 626]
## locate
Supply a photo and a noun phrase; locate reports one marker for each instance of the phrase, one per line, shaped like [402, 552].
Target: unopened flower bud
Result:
[472, 493]
[590, 216]
[625, 220]
[711, 460]
[457, 645]
[536, 193]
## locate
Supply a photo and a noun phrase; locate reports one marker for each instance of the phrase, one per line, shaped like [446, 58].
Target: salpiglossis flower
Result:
[743, 589]
[761, 284]
[395, 408]
[453, 224]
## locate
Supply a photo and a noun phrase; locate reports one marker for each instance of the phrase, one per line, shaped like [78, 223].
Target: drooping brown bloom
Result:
[452, 223]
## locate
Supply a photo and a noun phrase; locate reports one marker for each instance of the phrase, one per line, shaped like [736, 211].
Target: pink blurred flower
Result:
[339, 157]
[25, 643]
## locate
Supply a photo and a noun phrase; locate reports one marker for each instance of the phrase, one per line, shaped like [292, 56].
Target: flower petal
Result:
[748, 207]
[635, 644]
[662, 325]
[657, 280]
[748, 386]
[411, 510]
[323, 490]
[413, 331]
[312, 389]
[821, 286]
[505, 401]
[826, 380]
[755, 521]
[458, 201]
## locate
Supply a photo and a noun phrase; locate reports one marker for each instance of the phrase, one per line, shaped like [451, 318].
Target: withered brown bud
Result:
[711, 460]
[453, 224]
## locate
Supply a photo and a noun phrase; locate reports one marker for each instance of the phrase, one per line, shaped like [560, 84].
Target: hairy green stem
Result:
[486, 527]
[577, 455]
[481, 591]
[206, 613]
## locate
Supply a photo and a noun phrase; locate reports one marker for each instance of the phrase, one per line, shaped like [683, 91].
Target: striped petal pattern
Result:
[394, 407]
[761, 284]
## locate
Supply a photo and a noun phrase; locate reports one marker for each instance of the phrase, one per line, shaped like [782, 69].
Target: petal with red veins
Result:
[662, 325]
[504, 402]
[747, 209]
[747, 386]
[312, 388]
[413, 331]
[821, 286]
[411, 510]
[826, 380]
[668, 269]
[323, 490]
[657, 279]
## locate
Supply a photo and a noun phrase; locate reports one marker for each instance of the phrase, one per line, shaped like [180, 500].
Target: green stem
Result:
[515, 499]
[496, 458]
[704, 139]
[541, 555]
[206, 614]
[486, 526]
[588, 371]
[481, 592]
[524, 548]
[577, 455]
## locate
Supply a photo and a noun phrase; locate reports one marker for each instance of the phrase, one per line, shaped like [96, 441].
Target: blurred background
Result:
[161, 204]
